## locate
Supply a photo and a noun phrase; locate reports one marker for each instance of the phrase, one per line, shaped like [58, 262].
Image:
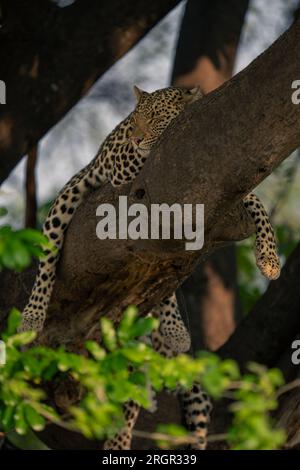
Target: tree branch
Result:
[249, 128]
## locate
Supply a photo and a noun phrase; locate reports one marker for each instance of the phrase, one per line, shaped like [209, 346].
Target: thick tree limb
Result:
[51, 56]
[231, 141]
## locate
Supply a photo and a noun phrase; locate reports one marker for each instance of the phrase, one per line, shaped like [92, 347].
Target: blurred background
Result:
[187, 47]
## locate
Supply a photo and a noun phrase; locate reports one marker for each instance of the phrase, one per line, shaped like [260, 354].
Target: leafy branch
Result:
[120, 370]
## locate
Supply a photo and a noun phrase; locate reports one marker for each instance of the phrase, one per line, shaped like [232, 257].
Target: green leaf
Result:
[8, 259]
[21, 339]
[34, 419]
[143, 327]
[108, 334]
[13, 322]
[97, 352]
[20, 421]
[33, 236]
[125, 326]
[172, 429]
[276, 377]
[21, 253]
[3, 211]
[7, 418]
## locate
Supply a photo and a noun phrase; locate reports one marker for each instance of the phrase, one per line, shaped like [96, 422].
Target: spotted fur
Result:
[122, 441]
[196, 411]
[266, 255]
[119, 160]
[171, 326]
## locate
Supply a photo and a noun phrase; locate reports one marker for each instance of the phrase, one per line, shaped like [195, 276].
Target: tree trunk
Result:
[208, 40]
[31, 188]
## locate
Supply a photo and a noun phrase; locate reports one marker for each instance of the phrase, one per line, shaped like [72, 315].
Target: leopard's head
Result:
[154, 112]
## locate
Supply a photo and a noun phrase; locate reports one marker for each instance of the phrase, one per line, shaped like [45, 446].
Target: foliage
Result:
[255, 398]
[42, 213]
[121, 370]
[17, 247]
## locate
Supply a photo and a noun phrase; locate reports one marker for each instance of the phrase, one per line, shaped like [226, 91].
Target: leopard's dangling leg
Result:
[122, 440]
[196, 403]
[171, 325]
[266, 255]
[197, 409]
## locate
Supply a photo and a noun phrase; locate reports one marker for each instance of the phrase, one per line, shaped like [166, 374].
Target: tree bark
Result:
[51, 56]
[231, 141]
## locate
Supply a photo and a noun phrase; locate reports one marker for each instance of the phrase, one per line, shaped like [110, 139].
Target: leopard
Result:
[118, 161]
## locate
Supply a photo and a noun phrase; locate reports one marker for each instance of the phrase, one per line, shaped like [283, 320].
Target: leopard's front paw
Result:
[269, 265]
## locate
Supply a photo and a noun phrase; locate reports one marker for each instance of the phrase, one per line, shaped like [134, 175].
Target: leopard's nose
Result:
[137, 140]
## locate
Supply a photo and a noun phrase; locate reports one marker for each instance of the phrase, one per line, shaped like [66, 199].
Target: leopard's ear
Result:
[139, 93]
[192, 95]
